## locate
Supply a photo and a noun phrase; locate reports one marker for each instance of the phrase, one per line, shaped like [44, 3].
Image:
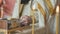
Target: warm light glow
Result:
[57, 9]
[33, 7]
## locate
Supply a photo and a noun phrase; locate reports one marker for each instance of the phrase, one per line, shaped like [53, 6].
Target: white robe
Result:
[16, 10]
[40, 17]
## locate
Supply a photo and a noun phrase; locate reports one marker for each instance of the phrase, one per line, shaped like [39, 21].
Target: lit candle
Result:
[33, 20]
[57, 20]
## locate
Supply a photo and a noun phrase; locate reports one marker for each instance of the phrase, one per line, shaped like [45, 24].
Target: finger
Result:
[0, 1]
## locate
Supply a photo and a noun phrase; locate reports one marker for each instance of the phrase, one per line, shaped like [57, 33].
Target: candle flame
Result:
[57, 9]
[33, 7]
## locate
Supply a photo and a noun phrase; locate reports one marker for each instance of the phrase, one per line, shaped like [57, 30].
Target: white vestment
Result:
[40, 18]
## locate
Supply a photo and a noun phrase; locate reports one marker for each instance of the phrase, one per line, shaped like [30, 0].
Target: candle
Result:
[57, 20]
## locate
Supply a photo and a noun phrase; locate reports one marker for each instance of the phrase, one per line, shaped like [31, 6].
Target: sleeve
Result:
[8, 7]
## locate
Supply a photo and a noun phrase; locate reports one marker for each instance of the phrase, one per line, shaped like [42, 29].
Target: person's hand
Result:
[25, 20]
[8, 7]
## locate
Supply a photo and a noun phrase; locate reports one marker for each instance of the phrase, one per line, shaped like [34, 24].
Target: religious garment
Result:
[43, 12]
